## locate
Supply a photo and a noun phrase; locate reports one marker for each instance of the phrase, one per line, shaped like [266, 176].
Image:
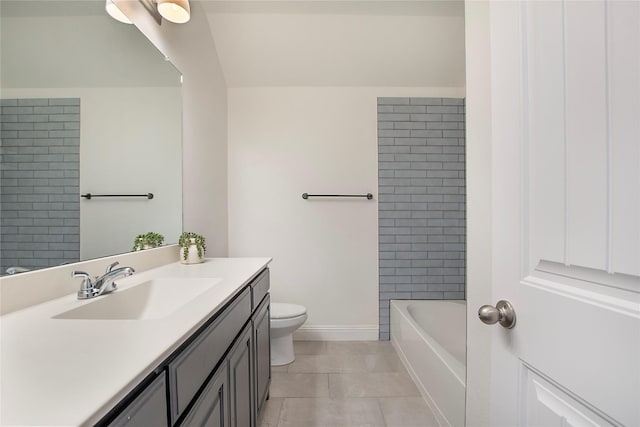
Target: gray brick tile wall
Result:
[39, 182]
[421, 206]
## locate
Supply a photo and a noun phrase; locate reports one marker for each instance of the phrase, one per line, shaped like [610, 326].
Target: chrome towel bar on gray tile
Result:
[305, 196]
[90, 196]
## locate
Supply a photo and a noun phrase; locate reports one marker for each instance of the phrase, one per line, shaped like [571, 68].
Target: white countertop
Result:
[72, 372]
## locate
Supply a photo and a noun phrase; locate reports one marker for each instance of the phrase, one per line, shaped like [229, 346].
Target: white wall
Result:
[290, 140]
[335, 45]
[204, 151]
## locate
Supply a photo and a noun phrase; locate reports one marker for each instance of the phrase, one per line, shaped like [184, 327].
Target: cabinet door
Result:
[262, 349]
[148, 409]
[241, 381]
[212, 407]
[189, 370]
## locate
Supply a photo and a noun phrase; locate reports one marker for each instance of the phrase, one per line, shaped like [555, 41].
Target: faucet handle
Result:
[75, 274]
[110, 266]
[86, 279]
[86, 288]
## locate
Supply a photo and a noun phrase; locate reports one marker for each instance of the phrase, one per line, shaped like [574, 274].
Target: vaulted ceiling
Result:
[339, 43]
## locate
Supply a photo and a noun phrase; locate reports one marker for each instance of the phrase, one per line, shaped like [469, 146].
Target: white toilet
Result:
[285, 319]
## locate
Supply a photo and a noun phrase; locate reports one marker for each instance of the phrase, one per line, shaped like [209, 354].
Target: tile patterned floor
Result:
[336, 384]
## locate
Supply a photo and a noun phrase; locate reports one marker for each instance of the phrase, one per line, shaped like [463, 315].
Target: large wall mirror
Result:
[88, 106]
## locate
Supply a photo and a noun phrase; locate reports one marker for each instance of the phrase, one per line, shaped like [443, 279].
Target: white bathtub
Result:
[430, 337]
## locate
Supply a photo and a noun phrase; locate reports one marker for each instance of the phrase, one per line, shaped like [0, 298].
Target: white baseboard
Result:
[337, 333]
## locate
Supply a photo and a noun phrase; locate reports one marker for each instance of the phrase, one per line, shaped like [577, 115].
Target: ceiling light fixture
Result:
[176, 11]
[116, 13]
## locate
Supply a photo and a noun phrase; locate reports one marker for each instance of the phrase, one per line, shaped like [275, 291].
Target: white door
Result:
[553, 107]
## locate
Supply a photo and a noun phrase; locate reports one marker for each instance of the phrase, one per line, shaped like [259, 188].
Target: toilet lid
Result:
[281, 310]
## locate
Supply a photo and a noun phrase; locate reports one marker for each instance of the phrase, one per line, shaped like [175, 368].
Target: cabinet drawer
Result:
[189, 370]
[148, 409]
[259, 288]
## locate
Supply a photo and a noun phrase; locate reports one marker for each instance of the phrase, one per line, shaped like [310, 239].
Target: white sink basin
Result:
[153, 299]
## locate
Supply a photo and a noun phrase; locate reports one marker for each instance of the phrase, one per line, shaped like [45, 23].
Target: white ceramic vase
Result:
[192, 254]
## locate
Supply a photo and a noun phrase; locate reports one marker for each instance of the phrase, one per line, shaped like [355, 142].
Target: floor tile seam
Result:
[398, 374]
[373, 395]
[328, 386]
[322, 350]
[291, 374]
[384, 419]
[279, 421]
[331, 393]
[410, 394]
[339, 372]
[320, 385]
[340, 398]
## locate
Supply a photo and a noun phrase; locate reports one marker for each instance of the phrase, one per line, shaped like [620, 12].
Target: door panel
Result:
[546, 123]
[574, 321]
[624, 51]
[564, 145]
[583, 337]
[586, 104]
[547, 405]
[583, 133]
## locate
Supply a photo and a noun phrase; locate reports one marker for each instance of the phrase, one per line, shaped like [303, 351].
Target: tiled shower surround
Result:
[39, 182]
[421, 201]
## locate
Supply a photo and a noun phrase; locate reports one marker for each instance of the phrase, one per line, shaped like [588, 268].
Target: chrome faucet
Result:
[103, 284]
[15, 270]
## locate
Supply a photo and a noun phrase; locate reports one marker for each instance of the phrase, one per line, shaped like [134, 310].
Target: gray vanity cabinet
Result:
[191, 367]
[241, 380]
[149, 408]
[219, 377]
[211, 409]
[262, 353]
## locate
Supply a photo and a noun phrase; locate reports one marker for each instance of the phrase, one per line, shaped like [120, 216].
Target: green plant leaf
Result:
[184, 241]
[150, 239]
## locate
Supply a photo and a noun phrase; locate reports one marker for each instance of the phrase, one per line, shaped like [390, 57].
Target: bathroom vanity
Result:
[198, 359]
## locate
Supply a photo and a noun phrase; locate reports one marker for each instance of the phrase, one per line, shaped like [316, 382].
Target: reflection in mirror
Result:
[88, 106]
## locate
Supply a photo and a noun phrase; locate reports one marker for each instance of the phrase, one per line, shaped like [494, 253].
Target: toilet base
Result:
[282, 350]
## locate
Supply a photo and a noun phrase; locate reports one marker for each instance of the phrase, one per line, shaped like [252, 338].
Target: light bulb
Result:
[116, 13]
[177, 11]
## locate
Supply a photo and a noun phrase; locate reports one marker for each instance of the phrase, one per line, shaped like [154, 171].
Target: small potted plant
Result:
[147, 241]
[192, 248]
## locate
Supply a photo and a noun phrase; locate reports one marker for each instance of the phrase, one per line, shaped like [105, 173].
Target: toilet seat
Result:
[281, 310]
